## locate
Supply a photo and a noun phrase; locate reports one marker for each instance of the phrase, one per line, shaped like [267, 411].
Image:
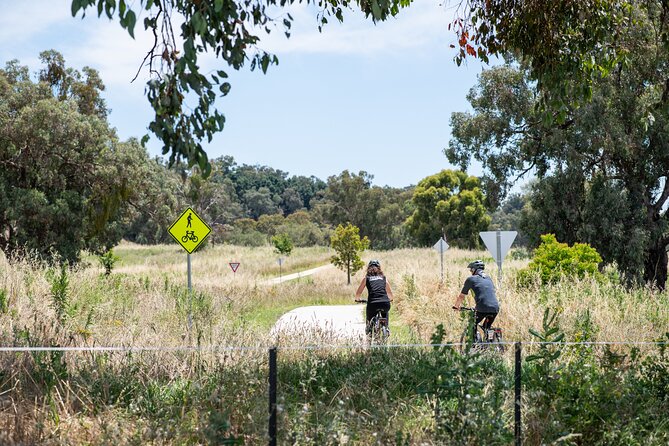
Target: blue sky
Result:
[357, 96]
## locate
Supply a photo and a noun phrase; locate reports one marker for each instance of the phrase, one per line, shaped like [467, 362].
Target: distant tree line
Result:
[68, 184]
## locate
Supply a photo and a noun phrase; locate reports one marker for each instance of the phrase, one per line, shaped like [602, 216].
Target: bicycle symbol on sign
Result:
[190, 235]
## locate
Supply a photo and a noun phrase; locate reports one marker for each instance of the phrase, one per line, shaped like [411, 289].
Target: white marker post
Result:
[441, 246]
[498, 243]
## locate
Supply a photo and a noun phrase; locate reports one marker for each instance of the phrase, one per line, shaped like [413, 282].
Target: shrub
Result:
[251, 238]
[282, 244]
[4, 301]
[553, 260]
[108, 260]
[60, 300]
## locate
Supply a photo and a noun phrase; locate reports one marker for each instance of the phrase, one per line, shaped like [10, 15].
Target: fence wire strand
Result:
[216, 348]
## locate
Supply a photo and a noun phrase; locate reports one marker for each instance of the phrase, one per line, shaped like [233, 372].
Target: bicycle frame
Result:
[377, 330]
[491, 339]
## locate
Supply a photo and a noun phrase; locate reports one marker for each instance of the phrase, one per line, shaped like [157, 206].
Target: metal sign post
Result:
[498, 243]
[189, 231]
[190, 295]
[280, 262]
[441, 246]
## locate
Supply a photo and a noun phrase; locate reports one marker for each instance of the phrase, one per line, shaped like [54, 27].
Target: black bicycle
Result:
[378, 331]
[482, 338]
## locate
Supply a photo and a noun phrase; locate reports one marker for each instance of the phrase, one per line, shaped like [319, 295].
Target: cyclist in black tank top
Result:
[379, 294]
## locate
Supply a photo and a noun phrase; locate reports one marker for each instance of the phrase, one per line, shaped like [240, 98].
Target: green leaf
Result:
[130, 23]
[264, 63]
[76, 6]
[110, 6]
[536, 334]
[376, 10]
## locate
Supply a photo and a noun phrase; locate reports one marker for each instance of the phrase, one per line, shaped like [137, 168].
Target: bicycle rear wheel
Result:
[497, 343]
[385, 334]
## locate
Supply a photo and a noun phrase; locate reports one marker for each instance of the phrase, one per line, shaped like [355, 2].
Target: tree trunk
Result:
[348, 272]
[655, 266]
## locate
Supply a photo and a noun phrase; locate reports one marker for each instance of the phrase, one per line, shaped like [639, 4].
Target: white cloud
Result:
[21, 21]
[105, 46]
[109, 49]
[422, 25]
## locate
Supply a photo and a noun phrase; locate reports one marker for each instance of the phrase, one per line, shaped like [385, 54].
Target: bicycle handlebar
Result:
[464, 308]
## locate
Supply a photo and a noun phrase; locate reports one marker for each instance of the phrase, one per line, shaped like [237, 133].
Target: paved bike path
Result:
[326, 324]
[297, 275]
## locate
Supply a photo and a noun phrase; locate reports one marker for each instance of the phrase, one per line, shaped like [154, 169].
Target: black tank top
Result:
[376, 289]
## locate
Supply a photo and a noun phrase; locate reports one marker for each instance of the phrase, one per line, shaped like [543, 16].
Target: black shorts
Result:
[373, 308]
[489, 319]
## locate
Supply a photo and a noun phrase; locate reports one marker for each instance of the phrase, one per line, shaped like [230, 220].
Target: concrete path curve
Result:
[323, 324]
[297, 275]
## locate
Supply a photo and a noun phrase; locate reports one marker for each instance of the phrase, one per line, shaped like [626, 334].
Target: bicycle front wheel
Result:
[465, 339]
[385, 334]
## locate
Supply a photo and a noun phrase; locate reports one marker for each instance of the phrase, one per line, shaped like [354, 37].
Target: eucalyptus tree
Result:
[603, 167]
[448, 203]
[65, 179]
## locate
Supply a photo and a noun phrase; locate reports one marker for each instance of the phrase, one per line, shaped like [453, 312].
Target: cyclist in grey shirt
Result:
[487, 305]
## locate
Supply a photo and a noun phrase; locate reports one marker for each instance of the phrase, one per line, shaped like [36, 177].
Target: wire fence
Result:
[222, 348]
[266, 358]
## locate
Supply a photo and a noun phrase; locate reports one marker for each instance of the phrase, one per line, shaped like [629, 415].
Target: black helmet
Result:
[374, 263]
[476, 264]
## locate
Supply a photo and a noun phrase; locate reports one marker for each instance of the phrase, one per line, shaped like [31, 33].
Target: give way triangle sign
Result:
[498, 243]
[234, 266]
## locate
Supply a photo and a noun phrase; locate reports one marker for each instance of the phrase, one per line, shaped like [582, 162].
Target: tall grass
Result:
[207, 397]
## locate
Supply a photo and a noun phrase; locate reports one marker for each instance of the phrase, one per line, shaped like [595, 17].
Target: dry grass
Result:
[144, 303]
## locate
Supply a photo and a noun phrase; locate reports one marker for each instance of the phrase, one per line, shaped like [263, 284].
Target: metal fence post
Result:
[272, 396]
[517, 373]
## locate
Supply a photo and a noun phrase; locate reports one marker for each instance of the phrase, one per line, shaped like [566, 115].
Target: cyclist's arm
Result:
[459, 300]
[389, 292]
[361, 288]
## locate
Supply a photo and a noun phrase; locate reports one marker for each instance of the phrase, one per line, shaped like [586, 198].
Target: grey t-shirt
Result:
[484, 293]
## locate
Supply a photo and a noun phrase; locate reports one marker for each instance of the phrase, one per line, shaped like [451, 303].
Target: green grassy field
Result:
[399, 396]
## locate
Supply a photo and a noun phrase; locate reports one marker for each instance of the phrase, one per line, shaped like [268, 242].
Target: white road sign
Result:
[498, 243]
[441, 246]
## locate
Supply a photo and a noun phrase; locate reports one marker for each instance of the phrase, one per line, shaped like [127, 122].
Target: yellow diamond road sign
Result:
[189, 230]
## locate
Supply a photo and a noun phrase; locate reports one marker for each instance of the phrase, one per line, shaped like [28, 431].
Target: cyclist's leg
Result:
[384, 310]
[478, 317]
[384, 307]
[370, 312]
[488, 319]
